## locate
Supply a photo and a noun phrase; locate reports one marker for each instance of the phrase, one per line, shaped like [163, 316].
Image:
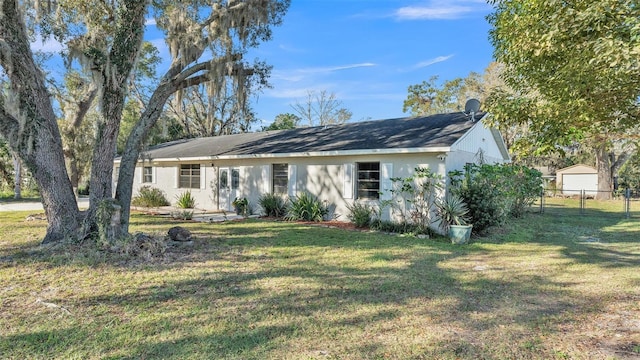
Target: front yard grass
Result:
[544, 287]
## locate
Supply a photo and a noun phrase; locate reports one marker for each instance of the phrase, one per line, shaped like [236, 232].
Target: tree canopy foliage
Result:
[582, 59]
[585, 54]
[430, 97]
[284, 122]
[436, 97]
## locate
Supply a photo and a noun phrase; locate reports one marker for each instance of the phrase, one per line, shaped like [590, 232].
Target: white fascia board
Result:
[185, 159]
[440, 149]
[501, 144]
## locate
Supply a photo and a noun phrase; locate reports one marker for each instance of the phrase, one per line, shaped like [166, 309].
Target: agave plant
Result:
[273, 205]
[185, 200]
[306, 207]
[452, 211]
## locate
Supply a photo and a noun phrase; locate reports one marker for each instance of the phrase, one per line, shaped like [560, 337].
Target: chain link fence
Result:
[621, 204]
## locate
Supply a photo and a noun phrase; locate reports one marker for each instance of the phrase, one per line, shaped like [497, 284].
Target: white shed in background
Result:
[573, 179]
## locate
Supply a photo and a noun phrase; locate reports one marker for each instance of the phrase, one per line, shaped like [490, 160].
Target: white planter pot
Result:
[460, 234]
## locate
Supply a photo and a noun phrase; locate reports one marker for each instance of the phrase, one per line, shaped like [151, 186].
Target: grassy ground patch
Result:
[545, 287]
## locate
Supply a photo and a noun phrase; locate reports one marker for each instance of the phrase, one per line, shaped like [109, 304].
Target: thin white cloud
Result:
[284, 92]
[296, 75]
[430, 62]
[441, 10]
[431, 13]
[287, 93]
[150, 22]
[290, 49]
[333, 68]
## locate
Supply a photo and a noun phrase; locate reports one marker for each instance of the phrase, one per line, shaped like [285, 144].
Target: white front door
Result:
[224, 189]
[228, 187]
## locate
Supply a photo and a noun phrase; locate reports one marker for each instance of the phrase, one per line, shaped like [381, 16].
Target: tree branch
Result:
[185, 78]
[84, 105]
[9, 123]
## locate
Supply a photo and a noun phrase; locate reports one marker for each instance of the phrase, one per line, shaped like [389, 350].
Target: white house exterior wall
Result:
[323, 177]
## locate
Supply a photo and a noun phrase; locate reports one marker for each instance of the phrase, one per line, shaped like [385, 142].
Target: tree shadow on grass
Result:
[43, 344]
[260, 290]
[287, 300]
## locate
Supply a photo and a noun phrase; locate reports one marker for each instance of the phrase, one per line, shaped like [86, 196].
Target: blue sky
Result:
[369, 52]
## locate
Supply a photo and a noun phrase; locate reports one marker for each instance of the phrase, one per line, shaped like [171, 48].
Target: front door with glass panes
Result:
[228, 185]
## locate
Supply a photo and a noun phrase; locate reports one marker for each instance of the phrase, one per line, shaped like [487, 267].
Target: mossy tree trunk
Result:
[608, 163]
[28, 123]
[605, 178]
[124, 189]
[114, 67]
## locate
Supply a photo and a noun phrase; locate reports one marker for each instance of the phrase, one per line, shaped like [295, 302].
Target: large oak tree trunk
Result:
[100, 187]
[605, 176]
[31, 128]
[133, 147]
[115, 73]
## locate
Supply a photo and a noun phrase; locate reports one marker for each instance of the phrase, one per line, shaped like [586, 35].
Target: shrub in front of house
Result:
[241, 205]
[493, 193]
[412, 203]
[185, 200]
[486, 208]
[397, 227]
[523, 186]
[360, 214]
[413, 199]
[150, 197]
[306, 207]
[273, 205]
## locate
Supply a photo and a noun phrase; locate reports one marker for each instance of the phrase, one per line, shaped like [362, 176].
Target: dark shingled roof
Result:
[421, 132]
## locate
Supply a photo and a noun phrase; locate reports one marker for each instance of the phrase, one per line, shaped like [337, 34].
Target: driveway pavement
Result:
[83, 203]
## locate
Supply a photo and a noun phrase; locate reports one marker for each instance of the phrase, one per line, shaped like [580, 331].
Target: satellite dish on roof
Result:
[471, 107]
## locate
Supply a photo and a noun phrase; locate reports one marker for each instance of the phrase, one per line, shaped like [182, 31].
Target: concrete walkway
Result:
[198, 214]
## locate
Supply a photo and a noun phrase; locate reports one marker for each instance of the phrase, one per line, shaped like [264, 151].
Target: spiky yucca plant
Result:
[185, 200]
[306, 207]
[452, 211]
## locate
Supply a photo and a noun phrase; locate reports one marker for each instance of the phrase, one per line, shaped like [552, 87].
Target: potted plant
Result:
[241, 206]
[452, 213]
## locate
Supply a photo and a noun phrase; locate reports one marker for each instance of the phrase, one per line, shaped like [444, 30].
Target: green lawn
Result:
[544, 287]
